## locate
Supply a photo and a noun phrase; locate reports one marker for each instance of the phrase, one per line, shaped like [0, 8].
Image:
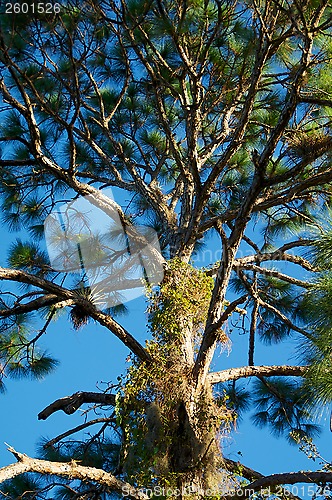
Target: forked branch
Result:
[103, 319]
[70, 470]
[78, 428]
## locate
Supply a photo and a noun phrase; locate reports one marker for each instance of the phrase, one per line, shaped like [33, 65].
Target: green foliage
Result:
[37, 367]
[281, 407]
[271, 328]
[148, 408]
[29, 257]
[237, 398]
[322, 251]
[13, 125]
[317, 347]
[99, 452]
[182, 301]
[19, 356]
[24, 486]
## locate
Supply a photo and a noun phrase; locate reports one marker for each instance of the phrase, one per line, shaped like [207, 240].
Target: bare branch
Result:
[282, 316]
[319, 477]
[77, 429]
[260, 162]
[70, 470]
[276, 255]
[209, 341]
[252, 332]
[230, 308]
[34, 305]
[250, 474]
[102, 318]
[256, 371]
[276, 274]
[70, 404]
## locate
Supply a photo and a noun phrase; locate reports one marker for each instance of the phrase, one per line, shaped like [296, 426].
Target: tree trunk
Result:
[195, 451]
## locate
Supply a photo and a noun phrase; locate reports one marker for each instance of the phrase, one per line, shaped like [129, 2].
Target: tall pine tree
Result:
[212, 118]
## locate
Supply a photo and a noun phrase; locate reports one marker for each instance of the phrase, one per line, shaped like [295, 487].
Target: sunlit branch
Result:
[256, 371]
[70, 470]
[276, 274]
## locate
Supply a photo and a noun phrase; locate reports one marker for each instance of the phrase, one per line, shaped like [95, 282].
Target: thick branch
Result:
[70, 470]
[230, 247]
[230, 309]
[102, 318]
[34, 305]
[70, 404]
[30, 279]
[250, 474]
[295, 191]
[95, 196]
[276, 255]
[319, 477]
[241, 470]
[260, 161]
[120, 332]
[256, 371]
[316, 100]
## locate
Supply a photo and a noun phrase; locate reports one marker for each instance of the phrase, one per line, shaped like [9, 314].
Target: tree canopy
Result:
[211, 122]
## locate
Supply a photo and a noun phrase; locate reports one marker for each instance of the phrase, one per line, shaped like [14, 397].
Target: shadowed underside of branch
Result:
[319, 477]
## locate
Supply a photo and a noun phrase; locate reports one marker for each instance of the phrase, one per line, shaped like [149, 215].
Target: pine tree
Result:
[212, 118]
